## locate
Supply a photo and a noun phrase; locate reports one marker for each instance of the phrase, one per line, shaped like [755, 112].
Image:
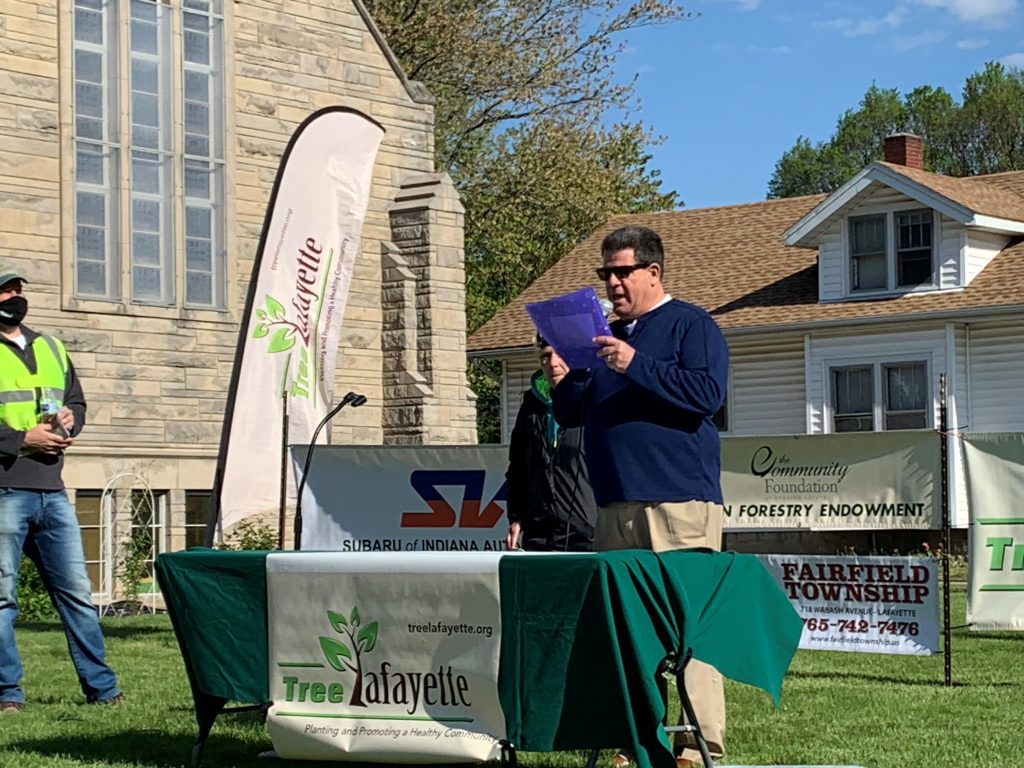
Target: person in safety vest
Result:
[42, 410]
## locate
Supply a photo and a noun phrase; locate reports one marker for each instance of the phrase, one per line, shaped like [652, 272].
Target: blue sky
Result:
[733, 89]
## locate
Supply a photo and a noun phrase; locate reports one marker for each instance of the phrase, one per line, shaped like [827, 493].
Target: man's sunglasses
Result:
[620, 272]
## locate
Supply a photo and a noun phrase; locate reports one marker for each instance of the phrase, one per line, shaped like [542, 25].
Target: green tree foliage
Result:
[545, 186]
[250, 535]
[524, 91]
[135, 562]
[984, 133]
[34, 602]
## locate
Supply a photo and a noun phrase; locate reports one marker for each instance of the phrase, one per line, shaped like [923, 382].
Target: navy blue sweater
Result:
[648, 432]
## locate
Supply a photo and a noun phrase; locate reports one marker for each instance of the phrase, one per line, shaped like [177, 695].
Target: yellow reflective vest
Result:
[22, 393]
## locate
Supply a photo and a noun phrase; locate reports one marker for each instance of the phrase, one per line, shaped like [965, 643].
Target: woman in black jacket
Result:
[550, 504]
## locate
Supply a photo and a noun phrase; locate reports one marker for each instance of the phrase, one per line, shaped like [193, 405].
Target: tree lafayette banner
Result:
[854, 481]
[862, 604]
[289, 336]
[426, 498]
[994, 464]
[385, 658]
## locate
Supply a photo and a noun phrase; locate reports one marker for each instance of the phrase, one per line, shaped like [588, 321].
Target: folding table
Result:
[584, 639]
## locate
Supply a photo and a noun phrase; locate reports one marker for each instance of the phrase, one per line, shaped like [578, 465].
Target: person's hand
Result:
[67, 418]
[43, 438]
[616, 353]
[512, 539]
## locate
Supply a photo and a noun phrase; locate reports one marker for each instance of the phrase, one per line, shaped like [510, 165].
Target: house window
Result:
[891, 251]
[149, 152]
[197, 512]
[204, 153]
[852, 394]
[96, 150]
[146, 534]
[90, 520]
[905, 396]
[880, 396]
[913, 248]
[152, 156]
[867, 252]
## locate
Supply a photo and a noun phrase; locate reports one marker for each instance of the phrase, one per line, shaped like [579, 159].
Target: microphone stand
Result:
[351, 399]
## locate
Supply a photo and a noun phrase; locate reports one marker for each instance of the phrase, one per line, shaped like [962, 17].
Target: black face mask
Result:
[13, 310]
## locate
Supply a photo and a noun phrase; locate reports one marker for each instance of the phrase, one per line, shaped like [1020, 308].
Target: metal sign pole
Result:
[947, 635]
[283, 502]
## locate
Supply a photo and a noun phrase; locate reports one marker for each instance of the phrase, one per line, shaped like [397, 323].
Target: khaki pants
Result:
[660, 527]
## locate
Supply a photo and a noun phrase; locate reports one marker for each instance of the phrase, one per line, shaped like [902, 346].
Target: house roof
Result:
[1000, 195]
[733, 262]
[979, 201]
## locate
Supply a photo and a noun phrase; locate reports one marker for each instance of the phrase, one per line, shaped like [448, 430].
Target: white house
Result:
[841, 311]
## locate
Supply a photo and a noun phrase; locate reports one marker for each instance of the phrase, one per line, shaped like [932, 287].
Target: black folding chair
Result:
[673, 667]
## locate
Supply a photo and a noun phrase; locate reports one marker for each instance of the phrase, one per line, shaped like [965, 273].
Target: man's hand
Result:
[43, 438]
[512, 539]
[616, 353]
[67, 418]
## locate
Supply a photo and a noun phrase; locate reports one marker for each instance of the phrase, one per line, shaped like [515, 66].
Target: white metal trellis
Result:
[124, 495]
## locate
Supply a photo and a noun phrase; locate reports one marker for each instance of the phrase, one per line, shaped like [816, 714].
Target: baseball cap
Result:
[6, 275]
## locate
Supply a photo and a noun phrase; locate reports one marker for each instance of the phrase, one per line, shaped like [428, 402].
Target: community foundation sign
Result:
[851, 481]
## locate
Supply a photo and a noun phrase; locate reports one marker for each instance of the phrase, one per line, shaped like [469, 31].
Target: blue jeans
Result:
[44, 524]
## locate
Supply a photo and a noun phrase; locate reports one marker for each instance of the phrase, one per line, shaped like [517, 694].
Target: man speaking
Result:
[652, 451]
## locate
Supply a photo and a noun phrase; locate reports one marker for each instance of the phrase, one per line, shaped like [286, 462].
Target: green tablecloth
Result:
[582, 636]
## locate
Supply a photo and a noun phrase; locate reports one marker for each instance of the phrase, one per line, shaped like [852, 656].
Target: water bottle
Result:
[48, 411]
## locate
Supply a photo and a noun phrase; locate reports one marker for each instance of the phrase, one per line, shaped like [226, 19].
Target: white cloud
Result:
[746, 5]
[909, 42]
[774, 50]
[971, 44]
[974, 10]
[1013, 60]
[733, 48]
[869, 26]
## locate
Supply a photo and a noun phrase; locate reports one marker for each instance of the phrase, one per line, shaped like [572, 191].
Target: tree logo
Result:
[272, 321]
[338, 654]
[271, 317]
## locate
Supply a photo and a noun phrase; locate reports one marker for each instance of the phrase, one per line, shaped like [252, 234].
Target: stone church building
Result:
[141, 141]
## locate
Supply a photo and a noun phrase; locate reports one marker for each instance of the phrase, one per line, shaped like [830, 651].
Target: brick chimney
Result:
[904, 149]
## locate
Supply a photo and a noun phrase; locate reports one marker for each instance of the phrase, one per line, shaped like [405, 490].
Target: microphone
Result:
[607, 307]
[352, 399]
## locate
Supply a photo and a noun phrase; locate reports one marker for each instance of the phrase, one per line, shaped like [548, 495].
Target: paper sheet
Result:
[569, 323]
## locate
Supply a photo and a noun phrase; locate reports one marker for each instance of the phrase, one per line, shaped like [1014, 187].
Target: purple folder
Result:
[569, 323]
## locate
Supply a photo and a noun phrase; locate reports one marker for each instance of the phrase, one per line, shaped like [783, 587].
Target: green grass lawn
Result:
[838, 708]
